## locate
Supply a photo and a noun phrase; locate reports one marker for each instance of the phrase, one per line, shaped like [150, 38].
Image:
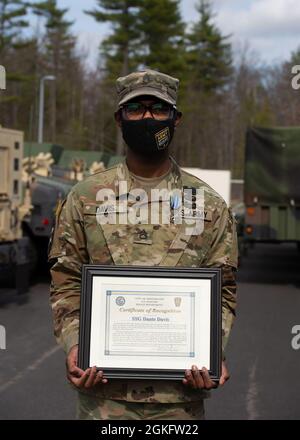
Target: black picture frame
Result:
[211, 274]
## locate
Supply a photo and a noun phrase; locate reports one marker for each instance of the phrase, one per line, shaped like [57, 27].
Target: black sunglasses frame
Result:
[173, 110]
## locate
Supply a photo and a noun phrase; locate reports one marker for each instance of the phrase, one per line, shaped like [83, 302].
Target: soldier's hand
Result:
[224, 375]
[79, 378]
[200, 379]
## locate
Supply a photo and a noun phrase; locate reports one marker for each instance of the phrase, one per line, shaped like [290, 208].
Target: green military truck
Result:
[272, 185]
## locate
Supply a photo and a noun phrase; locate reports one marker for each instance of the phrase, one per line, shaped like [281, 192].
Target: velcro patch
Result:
[162, 138]
[143, 237]
[106, 208]
[201, 214]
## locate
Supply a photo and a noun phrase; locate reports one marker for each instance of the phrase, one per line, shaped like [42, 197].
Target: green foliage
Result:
[209, 56]
[12, 22]
[119, 49]
[295, 57]
[144, 33]
[13, 46]
[58, 57]
[218, 100]
[162, 36]
[59, 44]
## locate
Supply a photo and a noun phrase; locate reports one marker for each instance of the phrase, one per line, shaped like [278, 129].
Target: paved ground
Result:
[264, 368]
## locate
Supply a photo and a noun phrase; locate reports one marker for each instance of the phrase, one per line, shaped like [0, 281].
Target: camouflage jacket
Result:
[78, 238]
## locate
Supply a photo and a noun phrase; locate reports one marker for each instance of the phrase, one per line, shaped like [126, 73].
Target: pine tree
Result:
[209, 70]
[59, 43]
[119, 49]
[12, 22]
[209, 56]
[59, 59]
[162, 36]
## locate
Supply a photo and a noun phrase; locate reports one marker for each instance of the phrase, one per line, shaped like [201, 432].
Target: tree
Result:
[162, 36]
[59, 59]
[284, 98]
[119, 49]
[58, 41]
[209, 56]
[12, 46]
[209, 72]
[12, 22]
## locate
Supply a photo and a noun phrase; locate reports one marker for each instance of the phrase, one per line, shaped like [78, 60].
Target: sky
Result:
[270, 28]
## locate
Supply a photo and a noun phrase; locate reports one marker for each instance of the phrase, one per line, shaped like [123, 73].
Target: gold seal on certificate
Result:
[139, 322]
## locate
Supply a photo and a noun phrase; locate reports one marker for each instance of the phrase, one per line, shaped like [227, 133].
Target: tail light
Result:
[251, 211]
[249, 230]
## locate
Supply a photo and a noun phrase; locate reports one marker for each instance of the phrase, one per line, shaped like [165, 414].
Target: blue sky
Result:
[269, 27]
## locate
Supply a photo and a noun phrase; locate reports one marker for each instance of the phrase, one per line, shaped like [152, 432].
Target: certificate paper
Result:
[150, 323]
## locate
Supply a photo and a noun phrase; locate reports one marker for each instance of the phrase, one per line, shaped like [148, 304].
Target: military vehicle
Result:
[15, 205]
[272, 185]
[46, 194]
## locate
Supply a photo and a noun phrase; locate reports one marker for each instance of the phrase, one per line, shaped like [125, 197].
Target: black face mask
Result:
[148, 137]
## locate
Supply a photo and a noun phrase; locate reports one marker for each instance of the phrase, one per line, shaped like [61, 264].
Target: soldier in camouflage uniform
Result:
[148, 116]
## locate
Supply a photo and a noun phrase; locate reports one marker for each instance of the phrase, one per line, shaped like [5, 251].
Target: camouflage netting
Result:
[273, 165]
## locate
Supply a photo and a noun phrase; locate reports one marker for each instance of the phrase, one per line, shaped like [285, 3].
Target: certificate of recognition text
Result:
[150, 323]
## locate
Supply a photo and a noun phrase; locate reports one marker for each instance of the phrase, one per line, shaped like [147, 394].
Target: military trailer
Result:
[272, 185]
[14, 206]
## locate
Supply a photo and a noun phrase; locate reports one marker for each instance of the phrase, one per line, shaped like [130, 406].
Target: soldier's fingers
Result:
[75, 371]
[225, 374]
[74, 380]
[185, 381]
[80, 383]
[92, 376]
[189, 380]
[208, 383]
[224, 378]
[72, 377]
[197, 377]
[101, 375]
[100, 378]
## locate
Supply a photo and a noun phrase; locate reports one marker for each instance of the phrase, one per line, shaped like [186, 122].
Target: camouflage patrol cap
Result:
[147, 82]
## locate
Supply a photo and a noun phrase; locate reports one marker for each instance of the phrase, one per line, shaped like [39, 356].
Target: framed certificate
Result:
[145, 322]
